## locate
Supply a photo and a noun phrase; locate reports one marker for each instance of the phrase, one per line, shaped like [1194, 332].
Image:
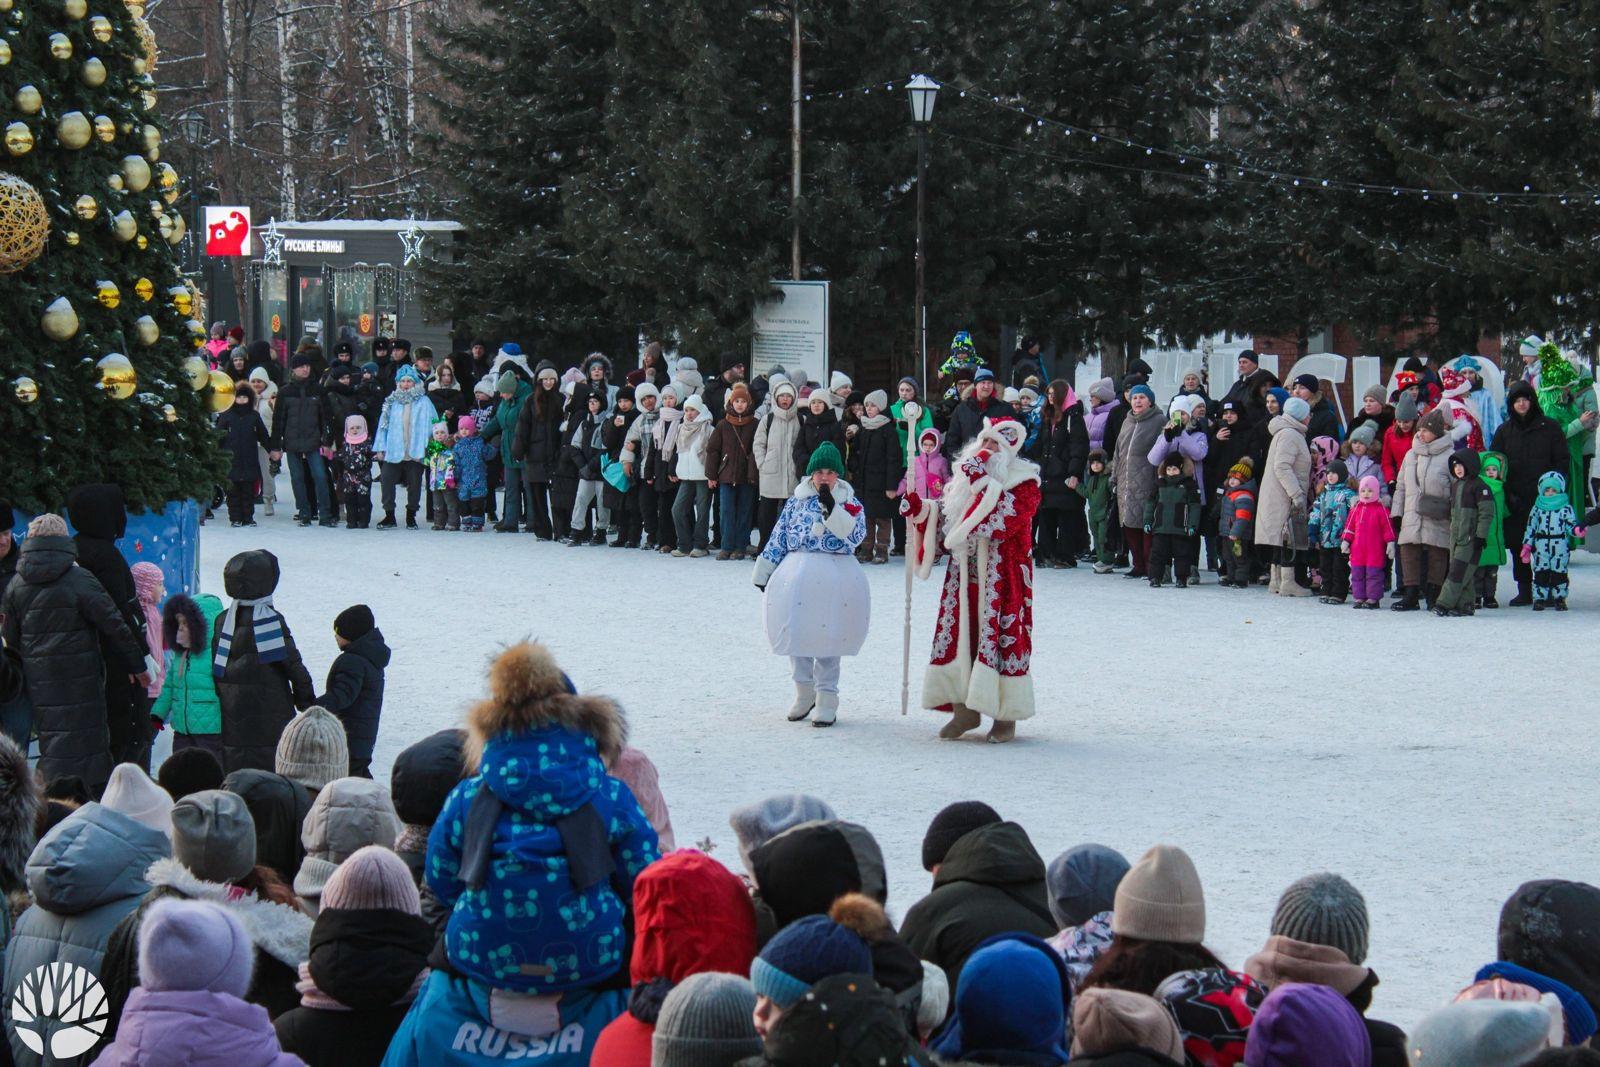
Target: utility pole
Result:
[794, 143]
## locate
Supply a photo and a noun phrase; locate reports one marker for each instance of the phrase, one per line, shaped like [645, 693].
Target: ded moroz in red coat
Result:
[983, 642]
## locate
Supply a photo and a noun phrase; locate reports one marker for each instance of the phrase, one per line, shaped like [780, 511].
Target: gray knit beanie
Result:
[706, 1021]
[213, 835]
[1082, 883]
[1405, 409]
[313, 750]
[1324, 909]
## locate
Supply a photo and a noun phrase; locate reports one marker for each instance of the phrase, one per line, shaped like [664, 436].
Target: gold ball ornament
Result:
[115, 182]
[75, 9]
[165, 224]
[136, 172]
[24, 224]
[135, 8]
[152, 141]
[146, 330]
[123, 226]
[85, 207]
[182, 299]
[142, 242]
[93, 73]
[25, 389]
[71, 237]
[5, 53]
[166, 176]
[147, 97]
[197, 373]
[59, 321]
[179, 228]
[138, 65]
[157, 210]
[28, 100]
[100, 26]
[105, 129]
[107, 293]
[61, 46]
[74, 130]
[144, 289]
[19, 139]
[197, 334]
[221, 391]
[169, 412]
[117, 377]
[5, 5]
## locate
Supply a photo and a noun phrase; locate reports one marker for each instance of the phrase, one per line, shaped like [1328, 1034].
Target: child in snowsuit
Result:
[1546, 546]
[1236, 524]
[1471, 515]
[1369, 542]
[1328, 515]
[536, 853]
[242, 433]
[440, 459]
[355, 474]
[1096, 489]
[1172, 519]
[472, 473]
[483, 405]
[355, 683]
[188, 700]
[923, 483]
[1493, 474]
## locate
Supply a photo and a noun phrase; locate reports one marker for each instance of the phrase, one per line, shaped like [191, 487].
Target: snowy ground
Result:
[1436, 763]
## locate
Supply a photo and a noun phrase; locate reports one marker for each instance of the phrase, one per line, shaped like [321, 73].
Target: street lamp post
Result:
[923, 91]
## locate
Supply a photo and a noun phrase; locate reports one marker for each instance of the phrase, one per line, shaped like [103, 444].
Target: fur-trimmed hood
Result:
[276, 929]
[590, 360]
[528, 691]
[198, 613]
[20, 799]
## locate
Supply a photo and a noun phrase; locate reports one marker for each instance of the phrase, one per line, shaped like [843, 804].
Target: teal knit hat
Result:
[826, 458]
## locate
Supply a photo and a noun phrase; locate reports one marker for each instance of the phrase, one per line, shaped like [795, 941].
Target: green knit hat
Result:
[507, 385]
[826, 458]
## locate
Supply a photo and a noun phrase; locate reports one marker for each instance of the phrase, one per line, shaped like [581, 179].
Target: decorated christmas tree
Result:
[99, 332]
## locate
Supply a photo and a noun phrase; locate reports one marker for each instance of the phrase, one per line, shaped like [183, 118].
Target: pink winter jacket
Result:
[1367, 531]
[927, 476]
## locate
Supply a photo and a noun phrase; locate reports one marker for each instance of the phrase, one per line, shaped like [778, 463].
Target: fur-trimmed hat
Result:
[527, 691]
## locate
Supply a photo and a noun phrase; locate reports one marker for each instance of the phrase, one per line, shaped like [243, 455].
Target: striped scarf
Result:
[268, 626]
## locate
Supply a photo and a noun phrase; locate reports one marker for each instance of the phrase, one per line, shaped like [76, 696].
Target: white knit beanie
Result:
[130, 792]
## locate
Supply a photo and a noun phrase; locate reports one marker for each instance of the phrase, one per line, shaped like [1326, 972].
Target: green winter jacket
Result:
[1494, 546]
[1175, 511]
[1471, 511]
[1096, 489]
[897, 413]
[188, 700]
[504, 424]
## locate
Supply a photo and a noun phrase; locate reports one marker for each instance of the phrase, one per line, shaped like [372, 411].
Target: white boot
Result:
[827, 709]
[1289, 587]
[1277, 579]
[805, 698]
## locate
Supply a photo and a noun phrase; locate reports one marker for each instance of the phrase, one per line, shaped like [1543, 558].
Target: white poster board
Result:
[791, 331]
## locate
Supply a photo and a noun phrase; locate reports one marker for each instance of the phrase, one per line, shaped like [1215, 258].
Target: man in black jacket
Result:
[1532, 443]
[299, 430]
[716, 390]
[967, 419]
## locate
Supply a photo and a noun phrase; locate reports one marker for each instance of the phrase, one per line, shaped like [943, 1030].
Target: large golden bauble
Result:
[152, 141]
[25, 389]
[5, 5]
[117, 376]
[197, 373]
[166, 176]
[165, 224]
[74, 130]
[107, 293]
[19, 139]
[93, 73]
[24, 223]
[5, 53]
[144, 289]
[85, 207]
[182, 300]
[179, 228]
[157, 210]
[147, 97]
[123, 226]
[100, 26]
[135, 8]
[59, 321]
[115, 183]
[146, 330]
[169, 412]
[75, 9]
[221, 390]
[138, 65]
[61, 46]
[136, 172]
[28, 100]
[105, 129]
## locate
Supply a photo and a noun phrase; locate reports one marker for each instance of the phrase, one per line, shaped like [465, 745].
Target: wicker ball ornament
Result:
[24, 224]
[147, 43]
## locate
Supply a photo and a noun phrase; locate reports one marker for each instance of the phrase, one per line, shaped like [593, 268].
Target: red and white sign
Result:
[227, 231]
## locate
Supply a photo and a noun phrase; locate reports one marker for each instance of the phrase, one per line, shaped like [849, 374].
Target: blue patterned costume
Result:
[1550, 527]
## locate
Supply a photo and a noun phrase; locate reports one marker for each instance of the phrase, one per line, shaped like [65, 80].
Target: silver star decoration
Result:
[271, 245]
[411, 239]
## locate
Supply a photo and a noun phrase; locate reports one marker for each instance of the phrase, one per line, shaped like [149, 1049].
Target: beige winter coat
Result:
[1285, 482]
[1424, 472]
[1133, 479]
[776, 435]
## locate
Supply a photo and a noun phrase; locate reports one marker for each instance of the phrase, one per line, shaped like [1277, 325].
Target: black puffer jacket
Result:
[100, 515]
[991, 882]
[876, 464]
[258, 699]
[815, 429]
[242, 436]
[299, 418]
[537, 441]
[279, 806]
[1532, 444]
[584, 447]
[1063, 452]
[966, 422]
[355, 691]
[367, 961]
[56, 616]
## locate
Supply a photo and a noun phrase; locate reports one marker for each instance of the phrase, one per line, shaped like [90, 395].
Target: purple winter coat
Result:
[1192, 444]
[196, 1028]
[1097, 420]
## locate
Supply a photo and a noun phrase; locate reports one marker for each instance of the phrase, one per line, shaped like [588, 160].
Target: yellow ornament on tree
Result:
[71, 237]
[75, 9]
[85, 207]
[93, 73]
[115, 182]
[147, 97]
[74, 130]
[147, 43]
[28, 100]
[146, 330]
[107, 293]
[5, 54]
[123, 226]
[197, 304]
[135, 8]
[61, 46]
[117, 376]
[100, 26]
[59, 321]
[166, 176]
[25, 389]
[144, 289]
[179, 228]
[197, 334]
[181, 299]
[221, 391]
[19, 139]
[169, 412]
[141, 242]
[152, 141]
[105, 129]
[164, 224]
[136, 172]
[24, 224]
[197, 373]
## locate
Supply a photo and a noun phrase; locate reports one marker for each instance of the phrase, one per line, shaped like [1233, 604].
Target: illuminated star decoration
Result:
[411, 240]
[272, 245]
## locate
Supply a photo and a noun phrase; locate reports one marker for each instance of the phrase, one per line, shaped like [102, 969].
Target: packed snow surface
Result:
[1436, 763]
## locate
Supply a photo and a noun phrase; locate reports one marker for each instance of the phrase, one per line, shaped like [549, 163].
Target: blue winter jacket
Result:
[528, 928]
[448, 1025]
[404, 429]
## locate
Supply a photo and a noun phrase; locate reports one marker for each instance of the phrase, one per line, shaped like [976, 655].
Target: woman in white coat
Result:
[817, 601]
[776, 434]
